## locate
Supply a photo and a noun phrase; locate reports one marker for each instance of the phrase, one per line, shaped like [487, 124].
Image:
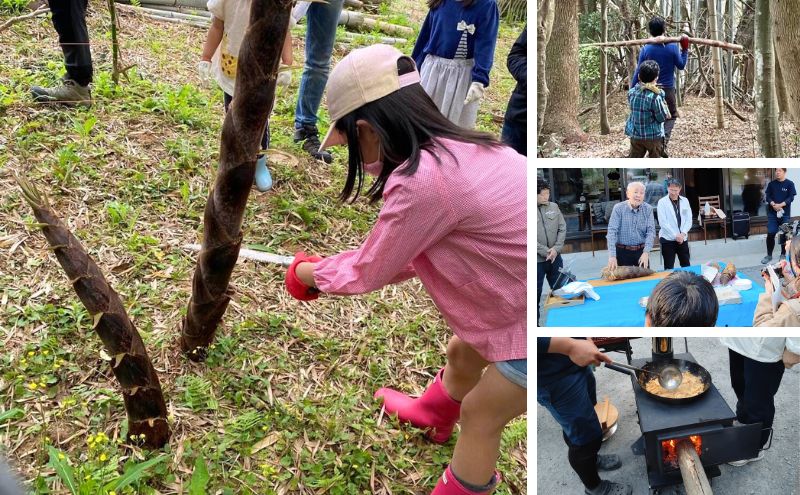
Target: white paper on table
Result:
[573, 289]
[710, 273]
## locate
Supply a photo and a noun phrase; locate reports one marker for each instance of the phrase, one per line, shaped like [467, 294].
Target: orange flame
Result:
[669, 449]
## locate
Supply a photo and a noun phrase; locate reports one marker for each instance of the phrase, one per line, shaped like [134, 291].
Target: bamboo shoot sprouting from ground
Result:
[141, 390]
[259, 57]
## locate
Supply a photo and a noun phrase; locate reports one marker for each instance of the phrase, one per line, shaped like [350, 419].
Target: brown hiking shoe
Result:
[69, 93]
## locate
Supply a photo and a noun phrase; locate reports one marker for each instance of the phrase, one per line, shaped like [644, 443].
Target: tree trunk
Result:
[561, 117]
[604, 127]
[745, 32]
[141, 390]
[781, 91]
[766, 102]
[787, 50]
[631, 53]
[717, 63]
[545, 11]
[259, 57]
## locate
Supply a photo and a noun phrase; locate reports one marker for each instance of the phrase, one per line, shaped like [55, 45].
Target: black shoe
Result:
[310, 137]
[610, 488]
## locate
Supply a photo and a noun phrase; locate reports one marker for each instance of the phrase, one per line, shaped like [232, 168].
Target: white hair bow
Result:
[463, 26]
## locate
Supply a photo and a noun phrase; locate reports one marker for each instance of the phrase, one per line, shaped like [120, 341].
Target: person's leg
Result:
[69, 21]
[668, 252]
[637, 150]
[782, 236]
[541, 272]
[772, 229]
[654, 148]
[736, 367]
[669, 124]
[485, 412]
[683, 253]
[762, 381]
[322, 20]
[438, 409]
[514, 134]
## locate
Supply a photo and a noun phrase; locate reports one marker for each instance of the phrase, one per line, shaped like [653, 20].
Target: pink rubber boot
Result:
[435, 410]
[449, 485]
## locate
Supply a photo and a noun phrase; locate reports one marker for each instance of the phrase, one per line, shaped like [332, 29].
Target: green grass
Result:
[284, 402]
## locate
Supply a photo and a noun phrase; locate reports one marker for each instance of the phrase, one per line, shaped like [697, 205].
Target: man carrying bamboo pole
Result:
[668, 58]
[69, 19]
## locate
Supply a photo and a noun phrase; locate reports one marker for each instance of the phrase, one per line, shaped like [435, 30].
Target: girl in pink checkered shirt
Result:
[453, 215]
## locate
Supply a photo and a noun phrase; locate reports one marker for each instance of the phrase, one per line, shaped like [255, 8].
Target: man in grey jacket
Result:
[551, 230]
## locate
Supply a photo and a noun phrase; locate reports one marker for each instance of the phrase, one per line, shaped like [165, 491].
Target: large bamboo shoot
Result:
[259, 57]
[141, 390]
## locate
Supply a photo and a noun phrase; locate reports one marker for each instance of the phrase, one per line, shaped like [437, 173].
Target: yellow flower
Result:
[45, 352]
[23, 361]
[103, 458]
[42, 384]
[56, 366]
[31, 353]
[61, 456]
[32, 385]
[112, 492]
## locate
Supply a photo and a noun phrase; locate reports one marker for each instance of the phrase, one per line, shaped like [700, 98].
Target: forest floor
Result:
[284, 402]
[695, 134]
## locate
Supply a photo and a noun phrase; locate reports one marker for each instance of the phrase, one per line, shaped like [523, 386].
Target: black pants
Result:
[547, 269]
[628, 258]
[69, 19]
[672, 104]
[670, 248]
[755, 385]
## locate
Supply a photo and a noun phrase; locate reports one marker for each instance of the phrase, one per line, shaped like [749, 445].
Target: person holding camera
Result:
[788, 312]
[779, 195]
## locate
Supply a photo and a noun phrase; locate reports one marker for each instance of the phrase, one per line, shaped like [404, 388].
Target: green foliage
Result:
[198, 393]
[197, 485]
[589, 60]
[121, 214]
[13, 7]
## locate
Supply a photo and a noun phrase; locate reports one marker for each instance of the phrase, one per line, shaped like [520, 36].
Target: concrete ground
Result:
[746, 254]
[777, 473]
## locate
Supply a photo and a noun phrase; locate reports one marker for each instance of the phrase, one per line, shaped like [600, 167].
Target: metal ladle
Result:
[670, 377]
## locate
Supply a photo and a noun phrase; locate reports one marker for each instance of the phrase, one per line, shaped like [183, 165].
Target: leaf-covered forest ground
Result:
[695, 134]
[284, 402]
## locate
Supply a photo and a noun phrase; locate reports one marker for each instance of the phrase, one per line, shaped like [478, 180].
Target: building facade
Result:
[586, 196]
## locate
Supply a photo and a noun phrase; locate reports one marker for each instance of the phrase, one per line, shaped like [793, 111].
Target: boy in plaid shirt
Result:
[649, 110]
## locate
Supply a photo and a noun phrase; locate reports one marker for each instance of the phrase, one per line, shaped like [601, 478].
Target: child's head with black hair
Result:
[384, 116]
[683, 299]
[648, 71]
[656, 26]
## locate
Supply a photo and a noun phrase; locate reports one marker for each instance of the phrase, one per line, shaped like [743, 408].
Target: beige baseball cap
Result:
[364, 75]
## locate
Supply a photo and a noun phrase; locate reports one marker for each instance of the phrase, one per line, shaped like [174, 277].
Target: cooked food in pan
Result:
[691, 386]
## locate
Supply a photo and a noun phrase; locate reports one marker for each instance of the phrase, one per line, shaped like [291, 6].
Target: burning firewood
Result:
[257, 69]
[141, 390]
[624, 272]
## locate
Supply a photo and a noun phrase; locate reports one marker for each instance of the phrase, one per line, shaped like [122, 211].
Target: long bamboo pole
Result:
[668, 39]
[716, 61]
[259, 57]
[604, 127]
[141, 390]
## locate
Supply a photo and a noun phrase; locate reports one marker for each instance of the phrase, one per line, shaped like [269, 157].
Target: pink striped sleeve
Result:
[416, 214]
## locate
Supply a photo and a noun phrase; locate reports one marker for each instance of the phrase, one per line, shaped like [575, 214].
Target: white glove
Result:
[284, 78]
[204, 71]
[475, 92]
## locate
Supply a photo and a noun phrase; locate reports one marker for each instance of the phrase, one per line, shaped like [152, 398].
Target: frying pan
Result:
[682, 364]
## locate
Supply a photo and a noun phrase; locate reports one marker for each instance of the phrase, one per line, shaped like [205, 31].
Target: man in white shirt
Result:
[675, 221]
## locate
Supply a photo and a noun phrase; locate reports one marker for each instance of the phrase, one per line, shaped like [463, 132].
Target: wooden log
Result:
[167, 14]
[351, 37]
[695, 481]
[604, 127]
[196, 4]
[181, 9]
[354, 4]
[356, 20]
[669, 39]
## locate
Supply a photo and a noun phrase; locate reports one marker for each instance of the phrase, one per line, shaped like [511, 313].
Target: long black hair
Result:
[407, 122]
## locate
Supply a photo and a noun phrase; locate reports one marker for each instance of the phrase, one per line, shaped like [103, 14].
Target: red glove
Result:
[294, 285]
[684, 43]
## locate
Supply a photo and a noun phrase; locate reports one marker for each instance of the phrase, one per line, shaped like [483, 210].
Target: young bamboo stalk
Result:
[141, 390]
[259, 58]
[114, 44]
[716, 62]
[670, 39]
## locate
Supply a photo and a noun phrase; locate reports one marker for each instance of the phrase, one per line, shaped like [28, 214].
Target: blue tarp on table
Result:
[619, 306]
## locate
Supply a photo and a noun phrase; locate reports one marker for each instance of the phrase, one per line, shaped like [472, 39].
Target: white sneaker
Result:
[746, 461]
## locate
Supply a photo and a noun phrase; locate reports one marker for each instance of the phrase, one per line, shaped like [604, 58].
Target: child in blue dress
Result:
[454, 53]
